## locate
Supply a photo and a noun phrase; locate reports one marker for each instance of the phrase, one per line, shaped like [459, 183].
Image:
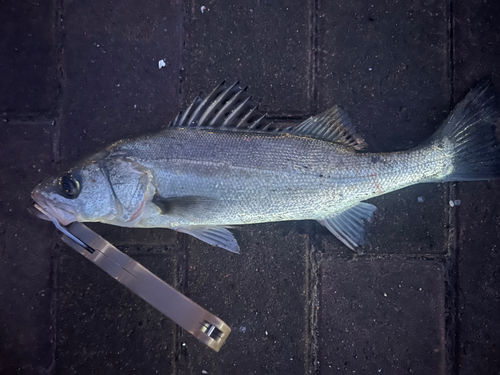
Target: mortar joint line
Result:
[452, 295]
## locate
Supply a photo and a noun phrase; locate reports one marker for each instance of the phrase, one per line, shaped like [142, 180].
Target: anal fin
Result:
[349, 225]
[213, 235]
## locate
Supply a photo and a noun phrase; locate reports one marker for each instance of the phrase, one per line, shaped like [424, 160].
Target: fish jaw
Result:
[50, 202]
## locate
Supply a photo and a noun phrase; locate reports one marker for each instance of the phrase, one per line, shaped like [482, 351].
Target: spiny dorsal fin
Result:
[332, 125]
[228, 107]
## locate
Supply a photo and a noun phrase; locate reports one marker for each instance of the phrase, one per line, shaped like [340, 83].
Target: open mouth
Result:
[46, 209]
[36, 210]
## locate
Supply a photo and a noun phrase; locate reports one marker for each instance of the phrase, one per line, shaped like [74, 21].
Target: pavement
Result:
[422, 299]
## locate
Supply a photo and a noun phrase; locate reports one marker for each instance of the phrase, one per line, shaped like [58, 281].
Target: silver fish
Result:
[218, 165]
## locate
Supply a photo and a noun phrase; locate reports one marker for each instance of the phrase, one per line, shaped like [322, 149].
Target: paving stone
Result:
[155, 239]
[476, 32]
[28, 57]
[26, 249]
[103, 327]
[264, 44]
[383, 316]
[114, 87]
[259, 293]
[477, 53]
[479, 287]
[386, 64]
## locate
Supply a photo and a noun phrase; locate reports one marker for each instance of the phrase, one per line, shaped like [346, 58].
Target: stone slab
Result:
[264, 44]
[29, 54]
[102, 327]
[26, 251]
[477, 52]
[382, 316]
[260, 293]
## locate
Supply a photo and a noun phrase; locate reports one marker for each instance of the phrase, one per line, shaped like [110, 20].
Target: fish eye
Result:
[69, 186]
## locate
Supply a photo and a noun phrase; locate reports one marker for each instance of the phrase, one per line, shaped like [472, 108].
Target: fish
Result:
[221, 163]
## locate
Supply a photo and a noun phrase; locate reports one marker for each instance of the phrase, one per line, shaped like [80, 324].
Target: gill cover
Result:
[131, 185]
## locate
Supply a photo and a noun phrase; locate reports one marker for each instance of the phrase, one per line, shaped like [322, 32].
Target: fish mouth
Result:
[37, 211]
[50, 209]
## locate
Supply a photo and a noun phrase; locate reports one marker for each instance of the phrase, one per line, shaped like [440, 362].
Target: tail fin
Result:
[472, 128]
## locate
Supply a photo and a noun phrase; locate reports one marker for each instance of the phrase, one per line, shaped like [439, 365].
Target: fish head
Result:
[82, 193]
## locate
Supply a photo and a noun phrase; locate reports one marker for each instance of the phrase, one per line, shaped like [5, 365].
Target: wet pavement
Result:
[422, 299]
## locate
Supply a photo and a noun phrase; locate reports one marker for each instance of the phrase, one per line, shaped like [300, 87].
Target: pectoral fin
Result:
[349, 225]
[213, 235]
[186, 206]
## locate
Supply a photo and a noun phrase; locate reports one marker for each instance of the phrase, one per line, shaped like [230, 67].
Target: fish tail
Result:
[471, 133]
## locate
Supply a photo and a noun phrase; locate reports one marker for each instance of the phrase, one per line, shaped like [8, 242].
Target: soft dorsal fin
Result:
[228, 107]
[333, 125]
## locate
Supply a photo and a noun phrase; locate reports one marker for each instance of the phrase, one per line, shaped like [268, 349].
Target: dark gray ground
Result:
[424, 299]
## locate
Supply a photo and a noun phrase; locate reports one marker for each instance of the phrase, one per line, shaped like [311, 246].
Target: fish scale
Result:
[258, 177]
